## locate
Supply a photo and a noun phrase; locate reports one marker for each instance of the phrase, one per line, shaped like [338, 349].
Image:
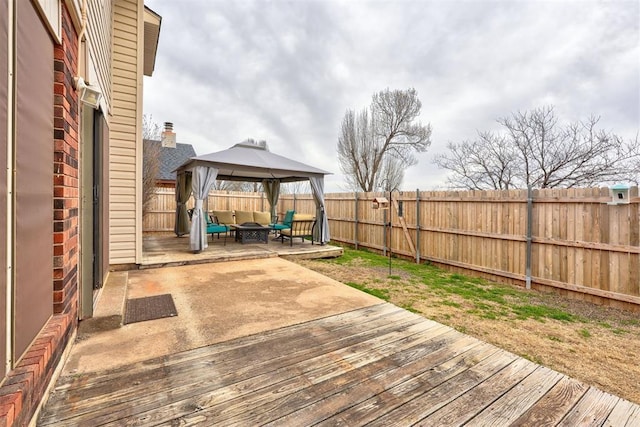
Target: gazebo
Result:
[247, 162]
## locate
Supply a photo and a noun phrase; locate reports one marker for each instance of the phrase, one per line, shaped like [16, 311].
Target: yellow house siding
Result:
[99, 36]
[125, 154]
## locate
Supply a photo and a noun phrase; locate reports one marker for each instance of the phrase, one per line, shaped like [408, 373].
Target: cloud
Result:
[286, 71]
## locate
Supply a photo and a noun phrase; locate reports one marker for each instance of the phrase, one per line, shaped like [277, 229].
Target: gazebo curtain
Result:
[321, 233]
[202, 179]
[272, 190]
[183, 192]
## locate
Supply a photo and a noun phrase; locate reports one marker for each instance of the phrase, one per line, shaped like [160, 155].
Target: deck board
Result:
[594, 407]
[378, 365]
[554, 405]
[509, 407]
[624, 413]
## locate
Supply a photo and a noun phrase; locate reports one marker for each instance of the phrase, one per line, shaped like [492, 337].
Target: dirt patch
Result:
[591, 343]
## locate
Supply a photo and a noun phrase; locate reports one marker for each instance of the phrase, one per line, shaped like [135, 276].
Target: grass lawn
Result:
[595, 344]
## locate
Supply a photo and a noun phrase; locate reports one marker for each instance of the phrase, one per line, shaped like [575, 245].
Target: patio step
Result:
[165, 250]
[109, 308]
[203, 258]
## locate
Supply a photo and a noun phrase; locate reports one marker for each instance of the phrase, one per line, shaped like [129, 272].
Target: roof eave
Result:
[152, 23]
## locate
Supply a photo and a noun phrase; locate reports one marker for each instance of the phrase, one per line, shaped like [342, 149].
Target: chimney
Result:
[168, 136]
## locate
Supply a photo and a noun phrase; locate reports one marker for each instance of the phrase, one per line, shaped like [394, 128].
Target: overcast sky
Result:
[286, 71]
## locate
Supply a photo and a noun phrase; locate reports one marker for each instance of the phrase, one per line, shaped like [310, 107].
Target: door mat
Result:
[149, 308]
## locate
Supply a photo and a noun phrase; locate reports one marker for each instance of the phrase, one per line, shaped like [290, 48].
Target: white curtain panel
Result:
[322, 228]
[202, 179]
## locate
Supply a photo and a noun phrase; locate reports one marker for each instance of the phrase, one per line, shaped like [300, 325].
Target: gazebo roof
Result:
[253, 162]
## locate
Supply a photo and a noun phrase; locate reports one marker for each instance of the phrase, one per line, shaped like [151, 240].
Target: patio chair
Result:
[286, 222]
[302, 226]
[214, 227]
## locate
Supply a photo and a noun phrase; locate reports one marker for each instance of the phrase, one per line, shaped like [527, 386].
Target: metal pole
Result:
[321, 225]
[390, 229]
[355, 231]
[384, 220]
[417, 226]
[529, 238]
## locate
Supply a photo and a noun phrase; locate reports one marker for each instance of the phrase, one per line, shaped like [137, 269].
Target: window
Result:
[50, 12]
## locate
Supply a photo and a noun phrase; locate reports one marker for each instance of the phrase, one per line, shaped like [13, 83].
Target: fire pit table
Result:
[251, 232]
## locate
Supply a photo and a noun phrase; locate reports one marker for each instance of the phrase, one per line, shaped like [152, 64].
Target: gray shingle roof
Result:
[171, 158]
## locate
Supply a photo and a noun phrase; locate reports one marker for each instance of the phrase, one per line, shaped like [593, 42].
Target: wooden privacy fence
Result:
[161, 214]
[579, 243]
[570, 240]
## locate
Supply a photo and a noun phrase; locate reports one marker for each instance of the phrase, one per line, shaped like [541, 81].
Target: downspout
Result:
[83, 310]
[82, 60]
[11, 104]
[529, 238]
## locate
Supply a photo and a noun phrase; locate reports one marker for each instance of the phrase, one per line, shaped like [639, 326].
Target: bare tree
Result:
[151, 152]
[150, 171]
[232, 186]
[489, 161]
[150, 129]
[534, 149]
[388, 129]
[391, 174]
[297, 187]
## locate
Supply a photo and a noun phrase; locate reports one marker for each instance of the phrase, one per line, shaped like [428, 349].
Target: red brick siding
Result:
[65, 172]
[25, 386]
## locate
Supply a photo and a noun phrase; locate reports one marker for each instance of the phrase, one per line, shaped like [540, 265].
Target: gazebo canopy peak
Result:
[251, 162]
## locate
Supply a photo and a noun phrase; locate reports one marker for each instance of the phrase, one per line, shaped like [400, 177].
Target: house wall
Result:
[42, 209]
[99, 37]
[125, 155]
[66, 176]
[39, 212]
[96, 56]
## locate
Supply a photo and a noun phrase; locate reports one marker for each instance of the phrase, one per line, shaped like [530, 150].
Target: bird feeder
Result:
[380, 203]
[619, 194]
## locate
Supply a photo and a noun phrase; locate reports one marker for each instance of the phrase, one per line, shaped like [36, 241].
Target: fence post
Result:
[294, 202]
[355, 230]
[417, 226]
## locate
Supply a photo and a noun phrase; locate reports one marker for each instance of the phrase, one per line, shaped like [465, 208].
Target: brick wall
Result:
[65, 172]
[25, 386]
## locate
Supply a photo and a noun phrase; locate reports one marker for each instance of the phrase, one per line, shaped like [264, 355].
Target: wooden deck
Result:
[379, 365]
